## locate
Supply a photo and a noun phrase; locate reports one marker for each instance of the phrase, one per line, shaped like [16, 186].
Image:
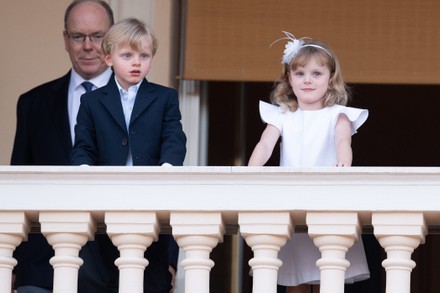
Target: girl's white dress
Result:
[308, 141]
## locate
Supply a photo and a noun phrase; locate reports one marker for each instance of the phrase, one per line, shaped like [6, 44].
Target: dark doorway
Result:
[400, 131]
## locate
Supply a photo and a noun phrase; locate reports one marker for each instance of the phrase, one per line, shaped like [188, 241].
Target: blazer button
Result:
[124, 141]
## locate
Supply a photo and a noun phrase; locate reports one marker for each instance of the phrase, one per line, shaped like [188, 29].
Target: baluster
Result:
[67, 232]
[14, 227]
[265, 233]
[399, 234]
[197, 234]
[333, 234]
[132, 233]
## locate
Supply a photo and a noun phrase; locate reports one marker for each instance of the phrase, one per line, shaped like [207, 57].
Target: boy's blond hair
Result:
[129, 31]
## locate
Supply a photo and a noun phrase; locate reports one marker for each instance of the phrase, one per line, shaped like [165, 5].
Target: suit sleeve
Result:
[173, 149]
[21, 153]
[84, 150]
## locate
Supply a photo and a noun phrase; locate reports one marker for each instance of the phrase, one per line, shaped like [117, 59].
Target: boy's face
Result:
[130, 65]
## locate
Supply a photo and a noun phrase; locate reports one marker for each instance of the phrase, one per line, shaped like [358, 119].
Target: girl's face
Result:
[130, 65]
[310, 83]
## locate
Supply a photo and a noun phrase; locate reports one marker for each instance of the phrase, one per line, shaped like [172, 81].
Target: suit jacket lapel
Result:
[145, 96]
[58, 108]
[112, 102]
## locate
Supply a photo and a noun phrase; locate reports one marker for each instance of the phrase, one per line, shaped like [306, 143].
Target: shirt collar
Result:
[133, 88]
[98, 81]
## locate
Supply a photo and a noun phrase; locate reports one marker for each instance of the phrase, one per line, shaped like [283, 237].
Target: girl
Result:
[309, 113]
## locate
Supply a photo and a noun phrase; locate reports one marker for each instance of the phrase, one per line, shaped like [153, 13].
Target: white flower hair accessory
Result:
[293, 46]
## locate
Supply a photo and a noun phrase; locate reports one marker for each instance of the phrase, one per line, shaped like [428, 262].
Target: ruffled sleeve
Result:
[271, 114]
[356, 116]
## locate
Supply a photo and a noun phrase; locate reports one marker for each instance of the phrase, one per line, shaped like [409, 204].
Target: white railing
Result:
[266, 204]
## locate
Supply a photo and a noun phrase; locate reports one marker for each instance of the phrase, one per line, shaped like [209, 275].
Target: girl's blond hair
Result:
[337, 92]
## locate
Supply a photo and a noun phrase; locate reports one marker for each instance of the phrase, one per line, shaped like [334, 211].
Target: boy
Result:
[132, 122]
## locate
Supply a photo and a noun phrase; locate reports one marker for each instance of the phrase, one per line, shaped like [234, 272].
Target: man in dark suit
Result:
[132, 122]
[44, 136]
[46, 114]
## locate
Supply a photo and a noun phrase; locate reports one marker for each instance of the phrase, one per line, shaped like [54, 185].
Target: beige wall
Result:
[32, 49]
[31, 52]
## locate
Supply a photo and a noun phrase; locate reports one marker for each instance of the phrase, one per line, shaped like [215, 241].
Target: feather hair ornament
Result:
[293, 46]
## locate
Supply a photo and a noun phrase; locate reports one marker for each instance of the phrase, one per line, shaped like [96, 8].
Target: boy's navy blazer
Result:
[154, 136]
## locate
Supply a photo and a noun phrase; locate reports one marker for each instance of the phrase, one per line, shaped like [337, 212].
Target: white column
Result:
[265, 233]
[333, 233]
[14, 227]
[132, 233]
[399, 234]
[197, 234]
[194, 122]
[67, 232]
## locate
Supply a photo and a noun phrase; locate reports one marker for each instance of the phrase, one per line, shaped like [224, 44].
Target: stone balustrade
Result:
[199, 204]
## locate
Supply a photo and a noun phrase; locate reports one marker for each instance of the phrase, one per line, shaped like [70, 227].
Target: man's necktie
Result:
[75, 106]
[88, 86]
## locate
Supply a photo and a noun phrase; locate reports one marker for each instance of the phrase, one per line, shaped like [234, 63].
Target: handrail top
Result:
[224, 189]
[217, 170]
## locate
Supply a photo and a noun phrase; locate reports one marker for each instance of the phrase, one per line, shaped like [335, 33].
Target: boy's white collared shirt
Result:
[128, 99]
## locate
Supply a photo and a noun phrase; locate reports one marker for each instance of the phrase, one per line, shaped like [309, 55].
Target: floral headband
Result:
[293, 46]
